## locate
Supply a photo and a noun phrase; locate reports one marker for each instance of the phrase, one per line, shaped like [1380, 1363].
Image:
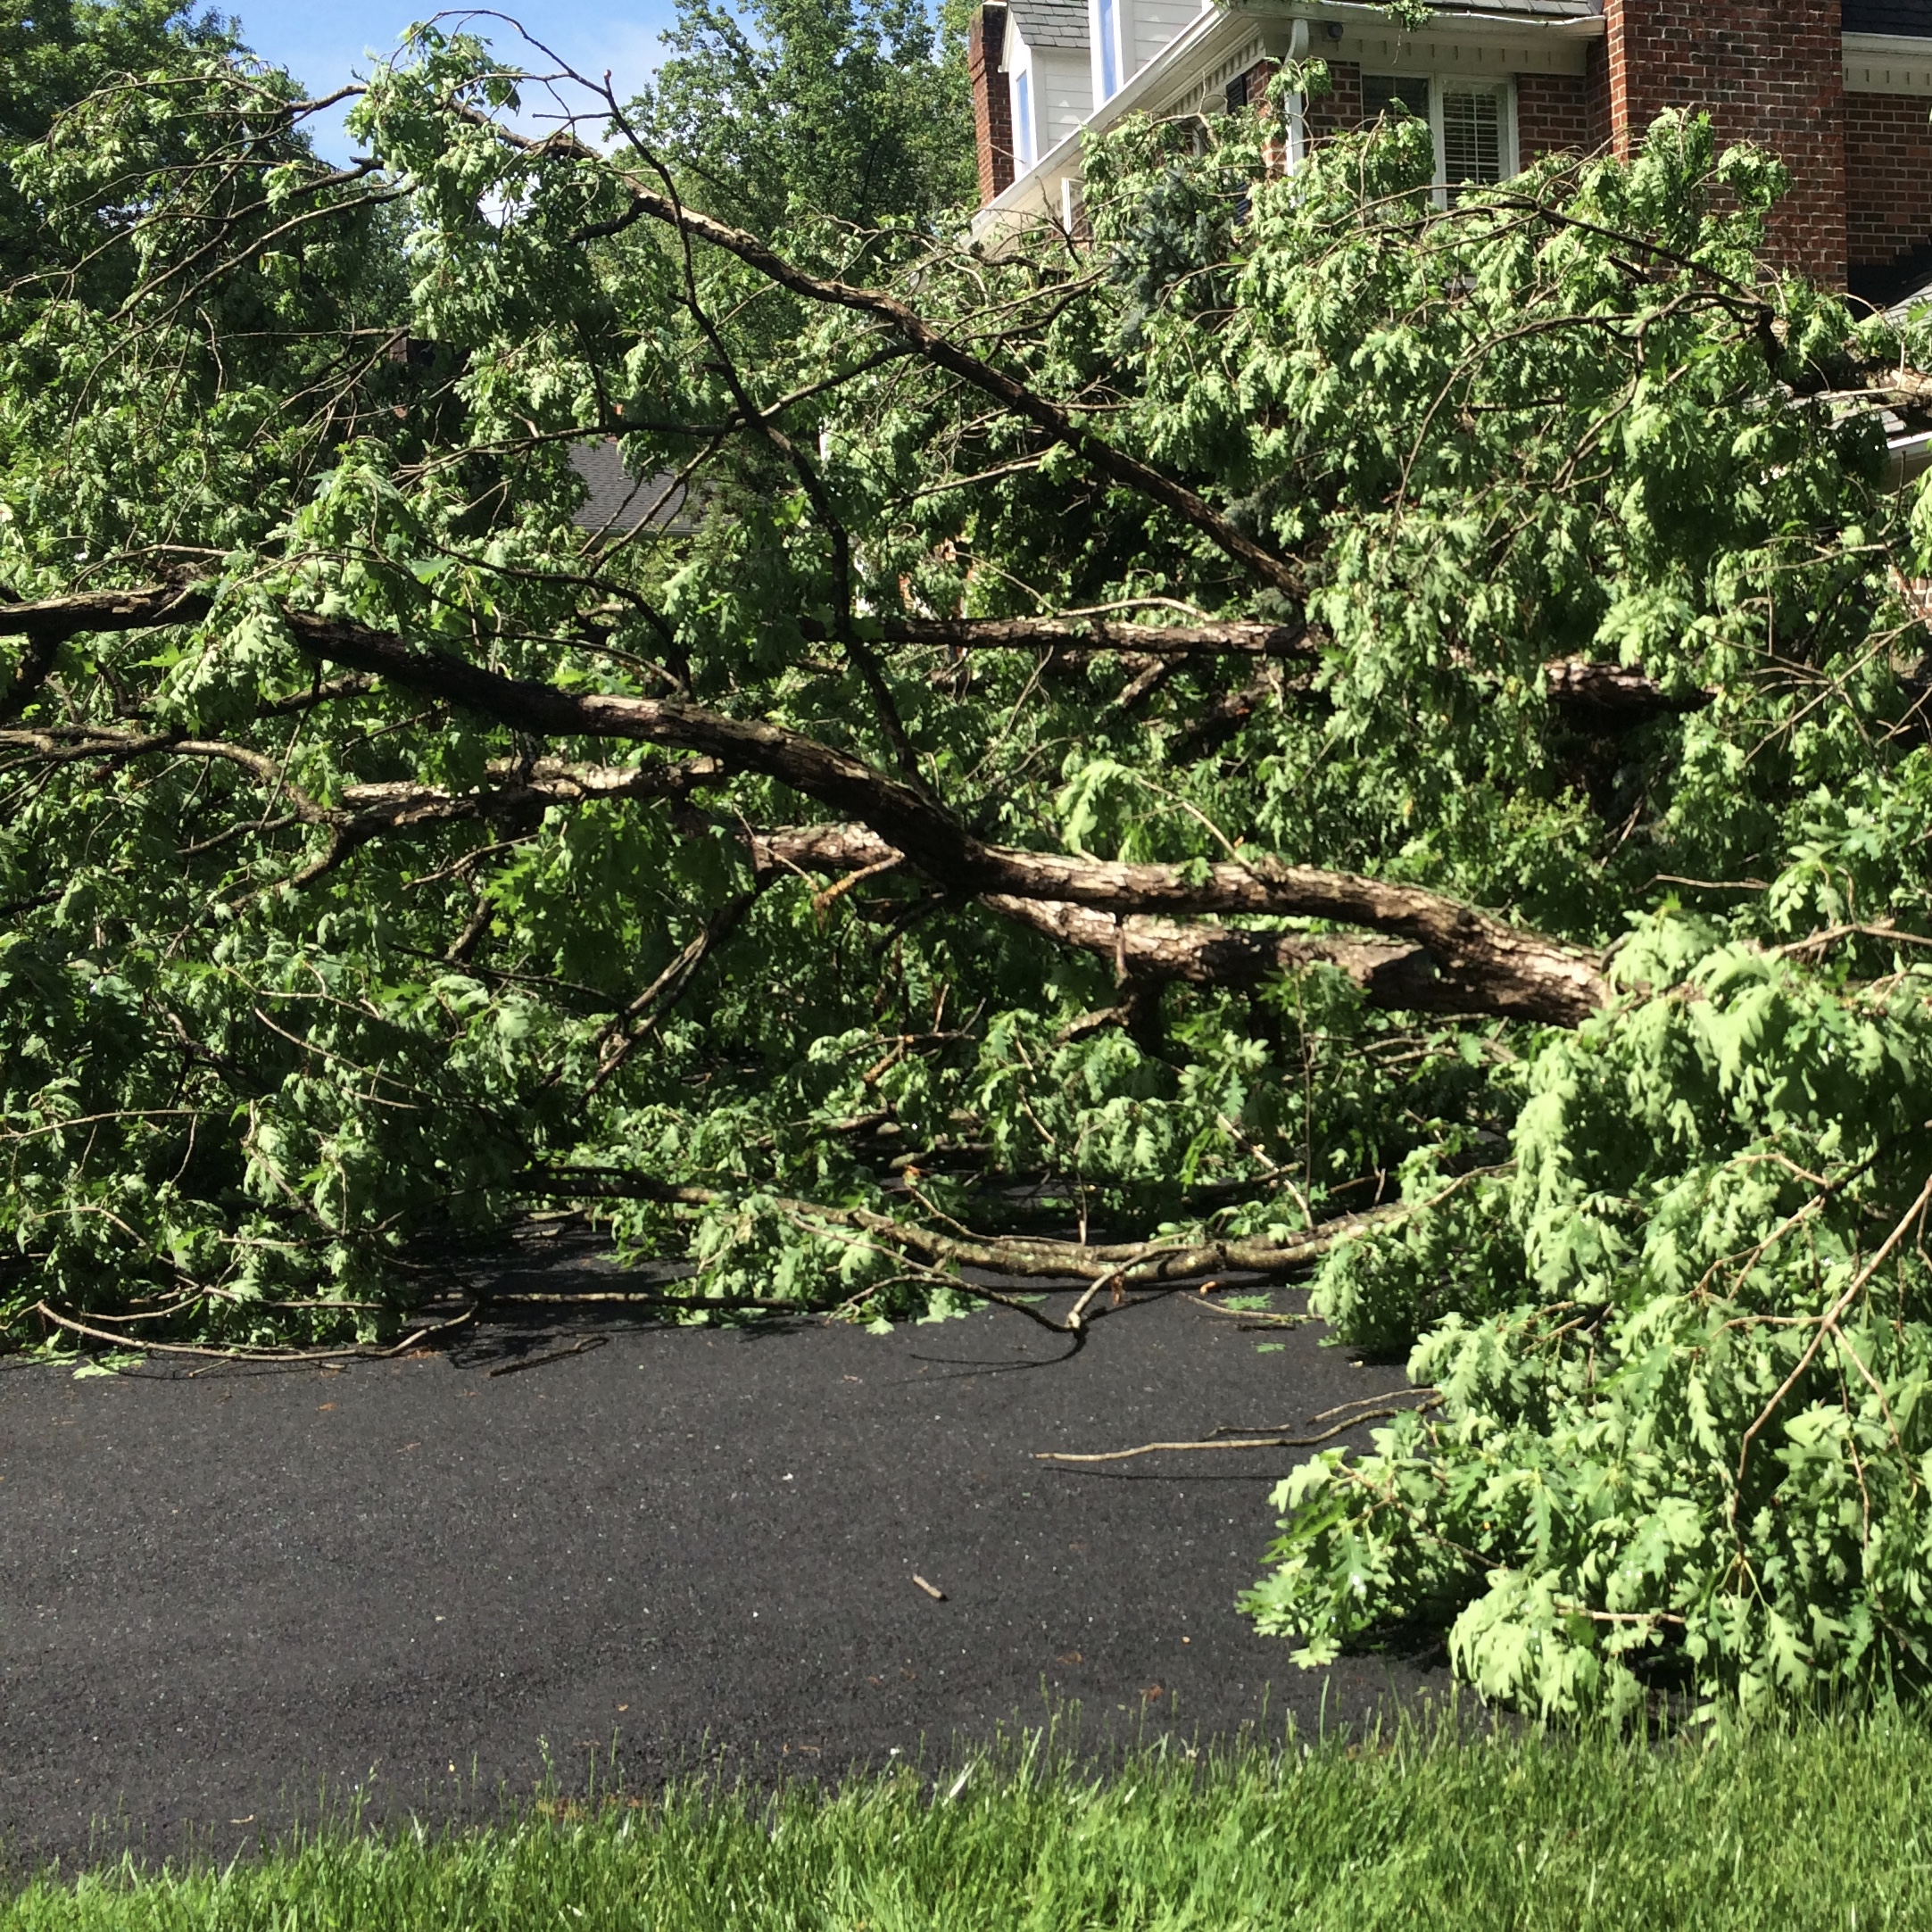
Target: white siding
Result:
[1063, 91]
[1149, 25]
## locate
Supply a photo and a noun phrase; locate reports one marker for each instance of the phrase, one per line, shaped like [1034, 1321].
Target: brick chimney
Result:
[1770, 72]
[992, 105]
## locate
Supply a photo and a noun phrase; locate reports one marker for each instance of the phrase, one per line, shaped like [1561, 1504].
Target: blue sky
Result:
[322, 41]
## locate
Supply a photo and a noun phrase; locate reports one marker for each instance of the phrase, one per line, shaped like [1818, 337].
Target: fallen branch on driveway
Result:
[1233, 1442]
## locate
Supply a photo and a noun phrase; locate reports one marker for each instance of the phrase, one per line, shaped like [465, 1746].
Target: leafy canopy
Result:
[1306, 725]
[774, 113]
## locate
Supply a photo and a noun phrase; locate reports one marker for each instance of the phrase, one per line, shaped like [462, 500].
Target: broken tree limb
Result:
[1078, 635]
[1509, 972]
[1414, 977]
[1601, 696]
[1037, 1257]
[1525, 975]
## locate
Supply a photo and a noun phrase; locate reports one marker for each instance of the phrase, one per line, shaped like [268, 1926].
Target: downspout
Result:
[1296, 104]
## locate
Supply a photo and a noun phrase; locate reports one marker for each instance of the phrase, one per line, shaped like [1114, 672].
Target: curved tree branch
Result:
[1526, 975]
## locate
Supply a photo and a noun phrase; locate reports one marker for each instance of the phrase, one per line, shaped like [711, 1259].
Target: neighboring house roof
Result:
[1910, 17]
[618, 501]
[1050, 23]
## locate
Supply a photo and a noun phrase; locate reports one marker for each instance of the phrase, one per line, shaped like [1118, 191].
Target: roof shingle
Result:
[1050, 23]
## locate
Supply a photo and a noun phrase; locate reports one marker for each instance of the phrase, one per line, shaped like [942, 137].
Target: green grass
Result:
[1811, 1824]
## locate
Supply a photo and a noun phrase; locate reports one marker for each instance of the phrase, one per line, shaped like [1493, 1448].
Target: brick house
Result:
[1841, 88]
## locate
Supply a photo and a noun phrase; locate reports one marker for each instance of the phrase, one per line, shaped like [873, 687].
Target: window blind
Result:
[1472, 135]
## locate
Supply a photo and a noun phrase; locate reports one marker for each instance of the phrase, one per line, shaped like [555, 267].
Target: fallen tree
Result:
[1304, 731]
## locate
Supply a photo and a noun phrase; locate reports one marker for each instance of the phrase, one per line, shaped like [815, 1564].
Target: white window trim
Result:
[1096, 26]
[1510, 157]
[1025, 109]
[1507, 158]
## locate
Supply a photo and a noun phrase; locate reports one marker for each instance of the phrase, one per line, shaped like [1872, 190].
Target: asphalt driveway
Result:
[229, 1597]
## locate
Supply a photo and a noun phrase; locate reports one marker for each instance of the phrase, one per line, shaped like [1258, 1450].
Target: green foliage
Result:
[779, 111]
[1681, 1354]
[54, 56]
[305, 971]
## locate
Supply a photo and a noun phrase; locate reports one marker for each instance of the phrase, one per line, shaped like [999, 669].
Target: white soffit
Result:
[1484, 46]
[1887, 63]
[1379, 50]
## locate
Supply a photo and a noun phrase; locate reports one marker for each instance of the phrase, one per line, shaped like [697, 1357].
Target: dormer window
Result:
[1108, 25]
[1047, 56]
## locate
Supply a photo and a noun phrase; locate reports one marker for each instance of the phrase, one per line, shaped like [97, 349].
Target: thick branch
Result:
[1130, 1263]
[522, 794]
[1402, 978]
[1098, 634]
[1609, 696]
[51, 623]
[1603, 696]
[1527, 975]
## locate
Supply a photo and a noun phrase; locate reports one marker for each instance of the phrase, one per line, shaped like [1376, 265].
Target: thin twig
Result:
[251, 1354]
[1828, 1324]
[584, 1346]
[1245, 1442]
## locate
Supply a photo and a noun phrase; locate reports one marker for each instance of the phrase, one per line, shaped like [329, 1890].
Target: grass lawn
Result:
[1817, 1823]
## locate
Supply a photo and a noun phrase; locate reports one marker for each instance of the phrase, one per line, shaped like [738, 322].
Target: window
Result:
[1022, 117]
[1237, 95]
[1470, 147]
[1110, 49]
[1471, 122]
[1382, 94]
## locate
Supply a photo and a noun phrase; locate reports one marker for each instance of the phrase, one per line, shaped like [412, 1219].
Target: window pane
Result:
[1022, 114]
[1110, 64]
[1383, 92]
[1471, 136]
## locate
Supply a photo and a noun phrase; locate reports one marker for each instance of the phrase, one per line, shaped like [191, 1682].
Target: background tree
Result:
[1306, 728]
[54, 56]
[775, 112]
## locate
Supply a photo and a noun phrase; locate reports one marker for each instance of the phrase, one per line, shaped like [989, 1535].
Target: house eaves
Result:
[1900, 19]
[1496, 37]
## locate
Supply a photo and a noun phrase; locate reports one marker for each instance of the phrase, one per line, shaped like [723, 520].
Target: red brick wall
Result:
[1552, 110]
[1341, 106]
[1769, 71]
[1888, 177]
[1553, 116]
[993, 106]
[1596, 94]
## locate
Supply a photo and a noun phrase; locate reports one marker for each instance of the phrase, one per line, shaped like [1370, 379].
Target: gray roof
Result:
[1050, 23]
[1889, 16]
[1543, 9]
[618, 501]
